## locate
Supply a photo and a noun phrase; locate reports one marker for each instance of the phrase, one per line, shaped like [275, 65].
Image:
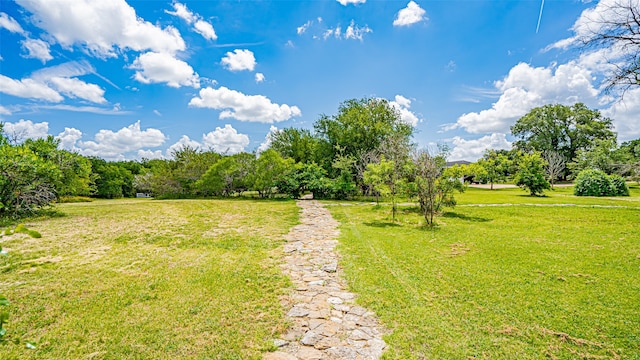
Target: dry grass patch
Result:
[144, 279]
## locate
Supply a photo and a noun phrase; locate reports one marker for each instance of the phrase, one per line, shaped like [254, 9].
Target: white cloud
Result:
[28, 88]
[68, 138]
[303, 28]
[225, 140]
[101, 27]
[73, 87]
[4, 111]
[150, 154]
[26, 129]
[410, 15]
[112, 145]
[243, 107]
[67, 69]
[164, 68]
[402, 105]
[239, 60]
[36, 49]
[184, 141]
[182, 12]
[526, 87]
[10, 24]
[259, 77]
[199, 25]
[268, 139]
[472, 150]
[624, 115]
[347, 2]
[354, 31]
[205, 29]
[115, 110]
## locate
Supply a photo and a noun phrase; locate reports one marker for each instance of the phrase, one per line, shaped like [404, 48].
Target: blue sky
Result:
[131, 79]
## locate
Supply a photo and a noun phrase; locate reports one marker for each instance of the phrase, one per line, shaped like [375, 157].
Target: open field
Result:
[512, 281]
[504, 275]
[143, 279]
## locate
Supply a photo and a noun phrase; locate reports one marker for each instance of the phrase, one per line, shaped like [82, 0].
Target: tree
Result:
[297, 144]
[111, 180]
[227, 176]
[75, 168]
[268, 169]
[493, 166]
[555, 165]
[384, 179]
[26, 181]
[359, 127]
[614, 27]
[434, 188]
[565, 129]
[602, 156]
[530, 175]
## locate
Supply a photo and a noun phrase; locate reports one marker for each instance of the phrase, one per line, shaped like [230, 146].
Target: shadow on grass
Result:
[381, 224]
[453, 215]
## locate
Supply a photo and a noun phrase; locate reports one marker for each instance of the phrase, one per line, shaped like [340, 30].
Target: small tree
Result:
[530, 175]
[493, 167]
[555, 165]
[383, 179]
[434, 188]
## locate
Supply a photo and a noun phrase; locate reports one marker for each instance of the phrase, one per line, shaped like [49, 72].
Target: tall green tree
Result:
[566, 129]
[111, 179]
[228, 176]
[360, 126]
[268, 170]
[298, 144]
[75, 169]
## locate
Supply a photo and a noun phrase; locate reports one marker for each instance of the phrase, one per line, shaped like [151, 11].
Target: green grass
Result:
[501, 282]
[144, 279]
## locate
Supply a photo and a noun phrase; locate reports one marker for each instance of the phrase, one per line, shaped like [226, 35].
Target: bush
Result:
[618, 185]
[592, 182]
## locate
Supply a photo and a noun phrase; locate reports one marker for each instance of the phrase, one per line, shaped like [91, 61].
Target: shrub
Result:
[618, 186]
[593, 182]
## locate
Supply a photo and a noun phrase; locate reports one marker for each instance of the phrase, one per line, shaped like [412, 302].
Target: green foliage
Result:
[531, 175]
[303, 178]
[75, 169]
[112, 180]
[434, 187]
[566, 129]
[297, 144]
[361, 126]
[492, 167]
[4, 317]
[228, 176]
[27, 181]
[267, 171]
[593, 182]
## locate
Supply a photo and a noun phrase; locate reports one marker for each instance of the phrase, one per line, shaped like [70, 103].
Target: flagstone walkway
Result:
[326, 324]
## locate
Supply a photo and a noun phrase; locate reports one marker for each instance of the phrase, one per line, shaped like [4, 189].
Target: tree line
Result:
[364, 149]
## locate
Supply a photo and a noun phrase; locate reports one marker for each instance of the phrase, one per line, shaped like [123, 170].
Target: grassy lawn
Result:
[144, 279]
[501, 282]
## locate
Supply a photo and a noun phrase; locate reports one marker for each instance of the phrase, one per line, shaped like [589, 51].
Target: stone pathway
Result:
[326, 324]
